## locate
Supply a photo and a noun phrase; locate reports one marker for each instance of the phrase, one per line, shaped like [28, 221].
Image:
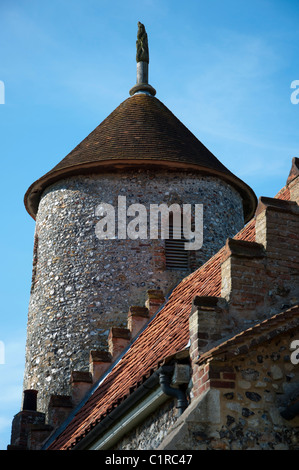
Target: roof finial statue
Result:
[142, 54]
[142, 59]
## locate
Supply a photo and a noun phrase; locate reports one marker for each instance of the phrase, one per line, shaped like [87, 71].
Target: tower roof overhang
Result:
[140, 133]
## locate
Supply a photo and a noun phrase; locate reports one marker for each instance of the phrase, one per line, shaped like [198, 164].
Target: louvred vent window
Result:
[177, 258]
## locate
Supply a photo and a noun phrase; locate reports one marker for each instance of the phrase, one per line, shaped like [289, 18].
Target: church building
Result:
[135, 342]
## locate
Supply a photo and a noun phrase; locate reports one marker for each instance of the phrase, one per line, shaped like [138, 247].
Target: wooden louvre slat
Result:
[175, 253]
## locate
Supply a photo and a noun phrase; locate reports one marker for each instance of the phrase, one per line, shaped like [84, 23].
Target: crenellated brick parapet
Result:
[258, 280]
[26, 420]
[208, 323]
[137, 319]
[154, 300]
[99, 362]
[243, 280]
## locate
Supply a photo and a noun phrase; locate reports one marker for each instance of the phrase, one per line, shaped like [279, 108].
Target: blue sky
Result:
[223, 68]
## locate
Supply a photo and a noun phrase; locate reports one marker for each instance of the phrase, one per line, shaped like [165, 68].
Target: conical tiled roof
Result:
[141, 131]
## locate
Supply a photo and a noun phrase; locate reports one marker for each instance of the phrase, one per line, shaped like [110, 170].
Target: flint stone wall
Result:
[149, 434]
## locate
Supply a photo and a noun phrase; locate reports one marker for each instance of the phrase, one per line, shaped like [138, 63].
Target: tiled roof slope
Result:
[166, 334]
[140, 131]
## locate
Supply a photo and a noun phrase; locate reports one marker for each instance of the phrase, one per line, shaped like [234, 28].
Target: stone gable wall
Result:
[241, 404]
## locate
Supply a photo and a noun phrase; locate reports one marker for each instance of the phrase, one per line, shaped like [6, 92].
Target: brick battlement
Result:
[258, 280]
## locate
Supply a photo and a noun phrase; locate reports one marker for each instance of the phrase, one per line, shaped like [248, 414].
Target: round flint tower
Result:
[83, 285]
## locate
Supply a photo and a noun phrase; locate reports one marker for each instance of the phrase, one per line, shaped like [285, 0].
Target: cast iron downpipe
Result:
[165, 374]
